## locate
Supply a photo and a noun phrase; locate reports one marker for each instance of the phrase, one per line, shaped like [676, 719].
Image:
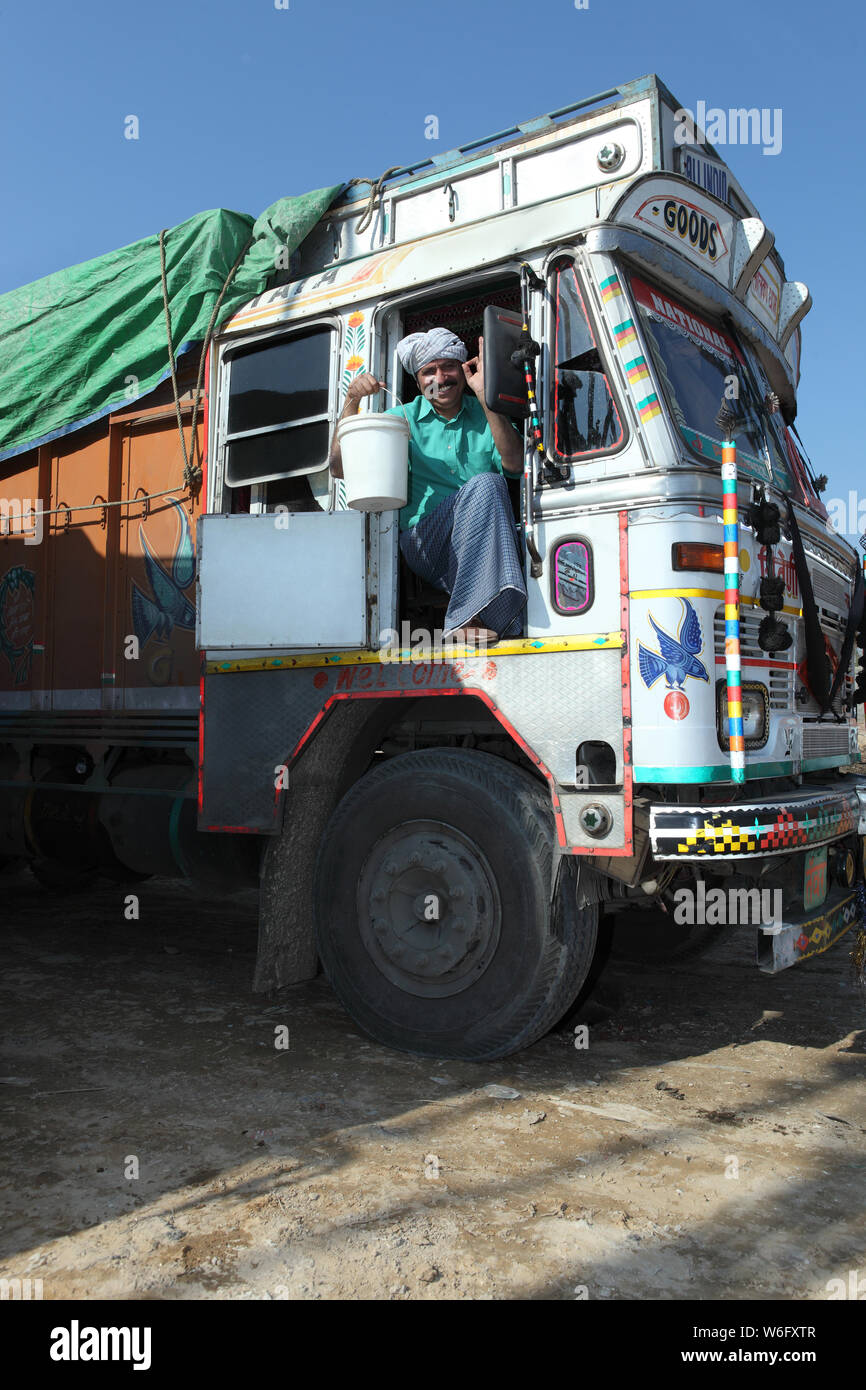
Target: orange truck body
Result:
[87, 588]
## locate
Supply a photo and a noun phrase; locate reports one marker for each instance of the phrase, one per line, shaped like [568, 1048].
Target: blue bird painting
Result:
[678, 656]
[169, 608]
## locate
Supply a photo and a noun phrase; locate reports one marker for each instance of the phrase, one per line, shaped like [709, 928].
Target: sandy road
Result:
[157, 1144]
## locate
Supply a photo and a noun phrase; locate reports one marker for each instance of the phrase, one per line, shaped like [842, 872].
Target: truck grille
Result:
[780, 683]
[828, 589]
[824, 740]
[833, 627]
[820, 740]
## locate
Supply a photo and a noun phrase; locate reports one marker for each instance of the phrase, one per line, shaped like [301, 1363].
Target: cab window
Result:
[584, 414]
[279, 403]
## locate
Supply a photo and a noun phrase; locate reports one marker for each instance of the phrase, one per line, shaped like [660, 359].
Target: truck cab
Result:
[664, 323]
[260, 693]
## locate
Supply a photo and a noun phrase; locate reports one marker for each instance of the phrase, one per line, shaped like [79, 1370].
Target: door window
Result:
[278, 423]
[585, 418]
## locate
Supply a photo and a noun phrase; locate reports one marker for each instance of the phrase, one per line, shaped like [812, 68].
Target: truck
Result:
[213, 667]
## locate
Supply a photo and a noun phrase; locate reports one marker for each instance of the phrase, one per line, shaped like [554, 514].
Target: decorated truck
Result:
[214, 667]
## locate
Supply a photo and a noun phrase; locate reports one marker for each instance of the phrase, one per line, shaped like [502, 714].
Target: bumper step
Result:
[783, 944]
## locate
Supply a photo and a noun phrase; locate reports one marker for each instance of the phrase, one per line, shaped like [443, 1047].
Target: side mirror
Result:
[504, 383]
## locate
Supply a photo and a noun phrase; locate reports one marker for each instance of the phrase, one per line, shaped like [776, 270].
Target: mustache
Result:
[434, 389]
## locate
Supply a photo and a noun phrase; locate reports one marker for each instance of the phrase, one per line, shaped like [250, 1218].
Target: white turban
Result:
[420, 348]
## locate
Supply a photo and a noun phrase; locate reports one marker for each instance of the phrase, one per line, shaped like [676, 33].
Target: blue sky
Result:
[240, 103]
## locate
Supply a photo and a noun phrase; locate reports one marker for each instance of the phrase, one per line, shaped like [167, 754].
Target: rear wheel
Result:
[434, 922]
[62, 878]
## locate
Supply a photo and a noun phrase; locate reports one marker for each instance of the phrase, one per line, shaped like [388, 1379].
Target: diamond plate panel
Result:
[254, 720]
[556, 700]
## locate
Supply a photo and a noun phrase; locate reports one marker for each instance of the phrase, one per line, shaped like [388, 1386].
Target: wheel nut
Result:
[379, 895]
[414, 860]
[380, 926]
[392, 867]
[457, 893]
[459, 924]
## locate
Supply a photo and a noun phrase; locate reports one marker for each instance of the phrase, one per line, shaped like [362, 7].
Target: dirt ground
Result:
[708, 1143]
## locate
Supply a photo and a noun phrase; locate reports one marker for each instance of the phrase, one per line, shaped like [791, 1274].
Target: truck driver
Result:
[457, 529]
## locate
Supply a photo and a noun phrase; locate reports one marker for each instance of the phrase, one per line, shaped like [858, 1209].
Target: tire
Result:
[467, 836]
[62, 878]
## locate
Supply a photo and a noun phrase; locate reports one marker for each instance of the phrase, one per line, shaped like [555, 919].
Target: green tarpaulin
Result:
[87, 340]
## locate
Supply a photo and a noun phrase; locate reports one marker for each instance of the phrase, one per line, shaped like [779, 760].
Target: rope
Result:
[187, 473]
[192, 472]
[375, 190]
[95, 506]
[206, 346]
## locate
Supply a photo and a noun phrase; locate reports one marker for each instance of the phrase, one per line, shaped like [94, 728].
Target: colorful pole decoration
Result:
[736, 741]
[528, 351]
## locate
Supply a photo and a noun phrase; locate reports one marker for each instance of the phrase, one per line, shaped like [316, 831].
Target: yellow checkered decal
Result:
[726, 838]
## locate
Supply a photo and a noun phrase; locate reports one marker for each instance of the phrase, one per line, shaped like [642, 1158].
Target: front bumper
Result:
[814, 816]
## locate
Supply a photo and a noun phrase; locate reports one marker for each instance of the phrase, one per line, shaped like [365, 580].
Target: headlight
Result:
[756, 714]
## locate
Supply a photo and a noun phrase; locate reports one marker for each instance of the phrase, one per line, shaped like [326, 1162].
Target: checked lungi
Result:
[469, 546]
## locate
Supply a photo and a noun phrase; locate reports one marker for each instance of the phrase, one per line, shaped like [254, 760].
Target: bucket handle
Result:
[389, 392]
[332, 499]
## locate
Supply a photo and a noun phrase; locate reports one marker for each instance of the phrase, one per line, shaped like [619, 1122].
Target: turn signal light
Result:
[697, 555]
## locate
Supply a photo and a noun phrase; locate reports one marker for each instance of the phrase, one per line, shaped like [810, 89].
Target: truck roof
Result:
[619, 159]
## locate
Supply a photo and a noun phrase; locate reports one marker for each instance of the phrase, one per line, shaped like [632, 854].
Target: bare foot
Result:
[474, 636]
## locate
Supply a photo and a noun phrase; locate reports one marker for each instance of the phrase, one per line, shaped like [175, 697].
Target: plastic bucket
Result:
[375, 450]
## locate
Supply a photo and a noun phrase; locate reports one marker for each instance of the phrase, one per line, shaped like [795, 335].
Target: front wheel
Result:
[434, 921]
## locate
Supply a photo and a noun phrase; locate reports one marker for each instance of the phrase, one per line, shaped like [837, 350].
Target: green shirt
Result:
[444, 454]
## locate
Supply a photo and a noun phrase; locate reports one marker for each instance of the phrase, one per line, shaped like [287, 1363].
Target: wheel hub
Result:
[428, 908]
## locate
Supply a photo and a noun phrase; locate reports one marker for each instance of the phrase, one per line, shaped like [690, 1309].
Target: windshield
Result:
[702, 368]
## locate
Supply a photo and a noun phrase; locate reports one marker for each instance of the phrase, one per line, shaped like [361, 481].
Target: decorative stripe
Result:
[610, 288]
[736, 740]
[624, 333]
[523, 646]
[648, 409]
[759, 661]
[764, 827]
[708, 772]
[707, 593]
[637, 370]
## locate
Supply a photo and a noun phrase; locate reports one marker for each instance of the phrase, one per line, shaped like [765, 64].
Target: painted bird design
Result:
[169, 607]
[678, 656]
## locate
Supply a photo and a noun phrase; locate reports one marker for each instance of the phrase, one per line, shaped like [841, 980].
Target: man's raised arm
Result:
[362, 386]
